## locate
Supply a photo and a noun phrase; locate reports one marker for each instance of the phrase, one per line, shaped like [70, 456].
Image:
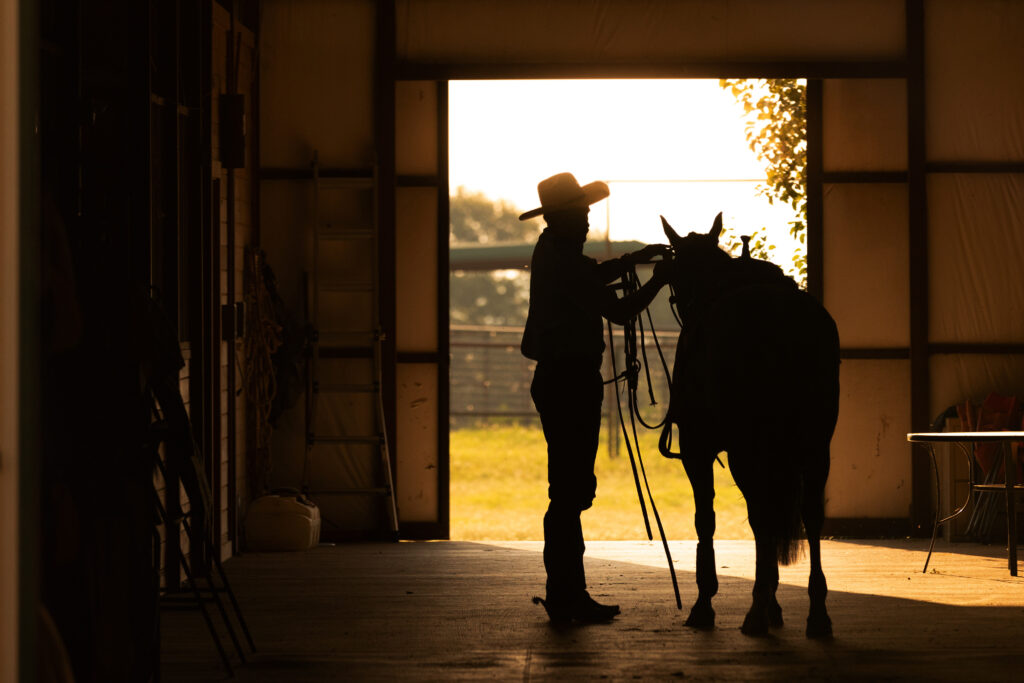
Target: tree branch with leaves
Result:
[776, 130]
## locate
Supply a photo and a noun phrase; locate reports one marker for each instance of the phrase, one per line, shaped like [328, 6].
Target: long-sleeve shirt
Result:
[567, 297]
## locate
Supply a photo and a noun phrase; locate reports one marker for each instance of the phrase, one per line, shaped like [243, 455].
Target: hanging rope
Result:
[263, 336]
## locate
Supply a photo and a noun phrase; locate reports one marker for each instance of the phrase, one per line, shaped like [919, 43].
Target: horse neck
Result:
[708, 282]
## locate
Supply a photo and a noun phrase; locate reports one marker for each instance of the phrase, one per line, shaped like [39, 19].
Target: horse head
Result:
[694, 257]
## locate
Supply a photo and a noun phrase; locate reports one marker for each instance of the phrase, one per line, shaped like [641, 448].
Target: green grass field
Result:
[499, 489]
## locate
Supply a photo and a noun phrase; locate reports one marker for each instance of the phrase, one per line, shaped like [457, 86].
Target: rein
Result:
[631, 373]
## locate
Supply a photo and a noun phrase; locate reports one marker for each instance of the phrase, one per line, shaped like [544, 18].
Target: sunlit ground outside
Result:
[499, 489]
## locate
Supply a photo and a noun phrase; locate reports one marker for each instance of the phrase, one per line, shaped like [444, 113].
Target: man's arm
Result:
[612, 269]
[587, 292]
[621, 311]
[617, 267]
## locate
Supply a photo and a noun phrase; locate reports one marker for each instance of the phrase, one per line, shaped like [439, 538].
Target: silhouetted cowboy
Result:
[569, 295]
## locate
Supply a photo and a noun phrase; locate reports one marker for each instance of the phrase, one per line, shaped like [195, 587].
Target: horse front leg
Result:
[700, 470]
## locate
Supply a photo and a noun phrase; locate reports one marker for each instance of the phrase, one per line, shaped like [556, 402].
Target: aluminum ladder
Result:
[356, 337]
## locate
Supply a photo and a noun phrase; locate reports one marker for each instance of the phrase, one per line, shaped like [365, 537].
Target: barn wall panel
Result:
[316, 82]
[976, 248]
[416, 128]
[871, 466]
[975, 80]
[959, 377]
[416, 268]
[865, 125]
[866, 254]
[416, 449]
[580, 31]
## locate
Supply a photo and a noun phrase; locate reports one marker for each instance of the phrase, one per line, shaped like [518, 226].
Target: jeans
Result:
[568, 396]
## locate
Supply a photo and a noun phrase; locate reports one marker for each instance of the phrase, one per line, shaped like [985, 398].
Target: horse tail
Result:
[774, 503]
[788, 546]
[776, 512]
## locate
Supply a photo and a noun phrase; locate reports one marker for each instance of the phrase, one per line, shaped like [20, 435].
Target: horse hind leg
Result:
[700, 471]
[819, 625]
[767, 497]
[765, 612]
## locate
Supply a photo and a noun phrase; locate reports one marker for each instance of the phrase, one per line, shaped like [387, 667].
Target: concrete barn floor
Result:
[443, 611]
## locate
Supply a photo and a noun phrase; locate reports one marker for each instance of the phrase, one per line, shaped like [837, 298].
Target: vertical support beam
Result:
[19, 340]
[253, 123]
[112, 256]
[815, 190]
[211, 288]
[384, 144]
[213, 325]
[173, 258]
[920, 378]
[201, 319]
[232, 349]
[10, 326]
[443, 220]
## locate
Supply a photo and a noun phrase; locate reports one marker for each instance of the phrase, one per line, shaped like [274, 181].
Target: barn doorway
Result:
[685, 149]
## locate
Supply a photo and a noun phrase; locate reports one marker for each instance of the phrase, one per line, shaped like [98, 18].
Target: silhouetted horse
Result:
[756, 375]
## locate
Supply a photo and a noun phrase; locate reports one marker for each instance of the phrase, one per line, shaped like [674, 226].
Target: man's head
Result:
[563, 199]
[573, 223]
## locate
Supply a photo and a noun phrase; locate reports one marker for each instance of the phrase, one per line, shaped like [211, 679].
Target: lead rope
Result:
[625, 435]
[631, 374]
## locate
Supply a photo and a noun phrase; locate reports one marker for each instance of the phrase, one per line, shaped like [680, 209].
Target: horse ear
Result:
[671, 234]
[716, 228]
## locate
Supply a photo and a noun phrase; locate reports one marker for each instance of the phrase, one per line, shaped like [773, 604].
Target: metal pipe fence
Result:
[490, 378]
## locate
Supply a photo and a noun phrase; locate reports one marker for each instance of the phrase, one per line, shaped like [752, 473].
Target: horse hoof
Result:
[701, 617]
[819, 627]
[755, 624]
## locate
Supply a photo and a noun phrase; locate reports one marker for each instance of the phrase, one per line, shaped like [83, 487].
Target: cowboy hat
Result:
[562, 191]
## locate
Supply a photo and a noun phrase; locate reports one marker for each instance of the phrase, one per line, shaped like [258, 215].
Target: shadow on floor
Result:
[461, 610]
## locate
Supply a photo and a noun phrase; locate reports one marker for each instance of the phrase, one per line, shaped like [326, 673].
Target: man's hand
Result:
[648, 253]
[662, 271]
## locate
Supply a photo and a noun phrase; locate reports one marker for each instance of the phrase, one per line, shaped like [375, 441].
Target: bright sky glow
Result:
[506, 136]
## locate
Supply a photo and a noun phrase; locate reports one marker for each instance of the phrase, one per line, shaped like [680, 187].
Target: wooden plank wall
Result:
[228, 480]
[230, 473]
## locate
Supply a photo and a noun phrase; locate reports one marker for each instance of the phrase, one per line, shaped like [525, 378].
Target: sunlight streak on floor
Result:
[963, 574]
